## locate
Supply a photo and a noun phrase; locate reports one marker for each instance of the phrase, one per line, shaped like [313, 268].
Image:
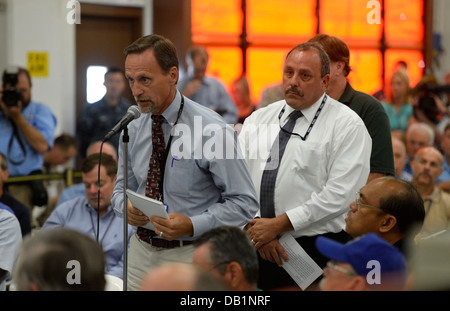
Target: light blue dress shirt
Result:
[41, 118]
[10, 240]
[212, 94]
[72, 192]
[211, 191]
[79, 215]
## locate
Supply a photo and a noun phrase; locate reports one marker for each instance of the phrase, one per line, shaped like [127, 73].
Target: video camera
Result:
[11, 95]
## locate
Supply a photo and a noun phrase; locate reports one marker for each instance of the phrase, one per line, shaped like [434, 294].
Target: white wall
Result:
[41, 25]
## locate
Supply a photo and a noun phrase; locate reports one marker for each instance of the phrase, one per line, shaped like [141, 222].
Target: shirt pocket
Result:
[310, 159]
[180, 176]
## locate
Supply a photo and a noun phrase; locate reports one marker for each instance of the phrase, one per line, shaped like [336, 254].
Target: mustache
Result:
[295, 91]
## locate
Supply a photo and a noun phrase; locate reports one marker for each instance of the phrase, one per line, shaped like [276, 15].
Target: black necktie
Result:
[272, 165]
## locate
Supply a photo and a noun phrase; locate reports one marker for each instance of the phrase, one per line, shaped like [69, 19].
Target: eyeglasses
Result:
[332, 265]
[357, 203]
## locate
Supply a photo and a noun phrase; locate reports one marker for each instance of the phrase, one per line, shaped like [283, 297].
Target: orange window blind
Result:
[265, 67]
[274, 27]
[225, 64]
[414, 59]
[347, 19]
[280, 22]
[404, 23]
[366, 71]
[216, 21]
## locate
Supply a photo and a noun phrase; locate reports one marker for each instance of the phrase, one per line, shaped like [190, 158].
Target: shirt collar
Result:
[308, 112]
[435, 195]
[171, 112]
[93, 210]
[348, 94]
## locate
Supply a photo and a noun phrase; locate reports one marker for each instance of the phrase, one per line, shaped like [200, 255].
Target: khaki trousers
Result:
[142, 257]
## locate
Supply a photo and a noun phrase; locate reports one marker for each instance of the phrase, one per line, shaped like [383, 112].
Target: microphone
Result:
[132, 113]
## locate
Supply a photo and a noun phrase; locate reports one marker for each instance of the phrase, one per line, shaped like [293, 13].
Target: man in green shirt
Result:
[367, 107]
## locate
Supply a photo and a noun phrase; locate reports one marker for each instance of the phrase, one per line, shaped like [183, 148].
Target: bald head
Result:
[427, 167]
[180, 277]
[399, 149]
[107, 148]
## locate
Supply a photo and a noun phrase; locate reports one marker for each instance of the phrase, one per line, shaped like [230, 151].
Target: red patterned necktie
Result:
[152, 188]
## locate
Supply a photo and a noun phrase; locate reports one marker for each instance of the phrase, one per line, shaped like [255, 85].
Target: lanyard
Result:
[93, 226]
[166, 151]
[312, 122]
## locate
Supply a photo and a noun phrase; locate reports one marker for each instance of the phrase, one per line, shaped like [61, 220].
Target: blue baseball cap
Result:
[360, 251]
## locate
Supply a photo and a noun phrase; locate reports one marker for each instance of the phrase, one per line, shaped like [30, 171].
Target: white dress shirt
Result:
[318, 177]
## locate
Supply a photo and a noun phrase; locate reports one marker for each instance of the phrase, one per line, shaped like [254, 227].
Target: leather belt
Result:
[147, 236]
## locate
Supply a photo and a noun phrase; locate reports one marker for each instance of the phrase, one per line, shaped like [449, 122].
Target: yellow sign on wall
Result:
[37, 64]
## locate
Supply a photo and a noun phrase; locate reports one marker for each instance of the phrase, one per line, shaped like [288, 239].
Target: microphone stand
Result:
[125, 140]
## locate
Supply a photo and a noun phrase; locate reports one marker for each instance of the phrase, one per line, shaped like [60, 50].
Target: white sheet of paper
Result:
[301, 267]
[148, 206]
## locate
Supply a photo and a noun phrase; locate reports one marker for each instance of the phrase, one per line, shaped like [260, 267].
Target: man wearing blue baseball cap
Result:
[365, 263]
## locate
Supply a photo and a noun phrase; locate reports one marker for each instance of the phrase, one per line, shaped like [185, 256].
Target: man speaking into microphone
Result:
[201, 191]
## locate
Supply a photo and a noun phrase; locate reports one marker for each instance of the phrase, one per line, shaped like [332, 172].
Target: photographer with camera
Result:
[27, 130]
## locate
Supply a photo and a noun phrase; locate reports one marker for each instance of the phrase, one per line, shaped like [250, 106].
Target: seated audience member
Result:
[417, 136]
[443, 180]
[366, 263]
[429, 264]
[81, 213]
[427, 167]
[399, 108]
[381, 93]
[20, 210]
[44, 257]
[55, 161]
[64, 148]
[399, 149]
[97, 119]
[77, 190]
[230, 255]
[388, 206]
[271, 94]
[10, 240]
[177, 276]
[240, 91]
[203, 89]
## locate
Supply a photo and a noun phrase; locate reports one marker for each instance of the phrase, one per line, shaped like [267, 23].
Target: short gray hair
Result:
[423, 127]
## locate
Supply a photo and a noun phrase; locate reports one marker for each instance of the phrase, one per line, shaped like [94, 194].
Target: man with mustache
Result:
[307, 189]
[427, 167]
